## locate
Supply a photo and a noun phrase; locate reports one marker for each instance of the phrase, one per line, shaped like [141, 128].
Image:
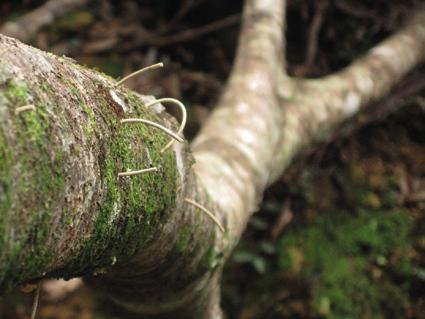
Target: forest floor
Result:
[342, 233]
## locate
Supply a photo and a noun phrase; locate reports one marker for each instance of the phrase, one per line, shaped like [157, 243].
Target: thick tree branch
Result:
[234, 151]
[316, 107]
[64, 211]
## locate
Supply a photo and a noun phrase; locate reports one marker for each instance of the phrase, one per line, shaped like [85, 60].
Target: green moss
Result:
[37, 123]
[184, 238]
[128, 216]
[336, 249]
[111, 66]
[90, 126]
[134, 207]
[45, 86]
[5, 192]
[38, 163]
[211, 259]
[16, 93]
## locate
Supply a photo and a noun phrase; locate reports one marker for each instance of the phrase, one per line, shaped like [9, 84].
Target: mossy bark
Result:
[64, 212]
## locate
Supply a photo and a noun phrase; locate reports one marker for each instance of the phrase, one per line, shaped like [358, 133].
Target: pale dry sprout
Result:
[154, 124]
[206, 211]
[35, 300]
[150, 67]
[131, 173]
[184, 117]
[25, 108]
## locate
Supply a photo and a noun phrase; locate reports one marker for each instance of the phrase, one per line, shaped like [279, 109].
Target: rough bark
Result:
[64, 211]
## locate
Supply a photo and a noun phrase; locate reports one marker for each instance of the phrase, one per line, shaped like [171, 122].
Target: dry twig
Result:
[150, 67]
[184, 117]
[206, 211]
[35, 301]
[131, 173]
[154, 124]
[25, 108]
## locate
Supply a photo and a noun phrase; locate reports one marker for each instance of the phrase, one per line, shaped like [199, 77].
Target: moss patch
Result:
[32, 171]
[134, 207]
[336, 252]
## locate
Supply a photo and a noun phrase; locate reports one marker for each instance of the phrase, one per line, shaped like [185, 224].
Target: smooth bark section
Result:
[235, 149]
[27, 26]
[316, 107]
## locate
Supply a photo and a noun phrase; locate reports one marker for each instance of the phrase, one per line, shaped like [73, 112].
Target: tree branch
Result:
[234, 151]
[64, 212]
[316, 107]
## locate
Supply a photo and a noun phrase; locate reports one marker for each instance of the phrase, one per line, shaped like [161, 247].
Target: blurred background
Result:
[342, 233]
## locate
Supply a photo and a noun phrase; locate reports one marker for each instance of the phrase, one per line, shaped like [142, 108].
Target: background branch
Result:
[26, 27]
[316, 107]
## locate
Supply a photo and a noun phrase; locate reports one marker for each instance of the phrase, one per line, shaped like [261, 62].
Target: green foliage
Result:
[337, 250]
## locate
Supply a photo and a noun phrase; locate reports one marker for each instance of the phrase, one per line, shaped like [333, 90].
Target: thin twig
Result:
[354, 9]
[150, 67]
[184, 117]
[206, 211]
[184, 36]
[185, 8]
[131, 173]
[284, 219]
[197, 32]
[25, 108]
[315, 27]
[158, 126]
[35, 300]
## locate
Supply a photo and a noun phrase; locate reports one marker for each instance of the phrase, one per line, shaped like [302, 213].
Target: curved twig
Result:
[150, 67]
[154, 124]
[184, 117]
[206, 211]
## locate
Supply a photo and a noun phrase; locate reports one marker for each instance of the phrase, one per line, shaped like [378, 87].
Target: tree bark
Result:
[65, 212]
